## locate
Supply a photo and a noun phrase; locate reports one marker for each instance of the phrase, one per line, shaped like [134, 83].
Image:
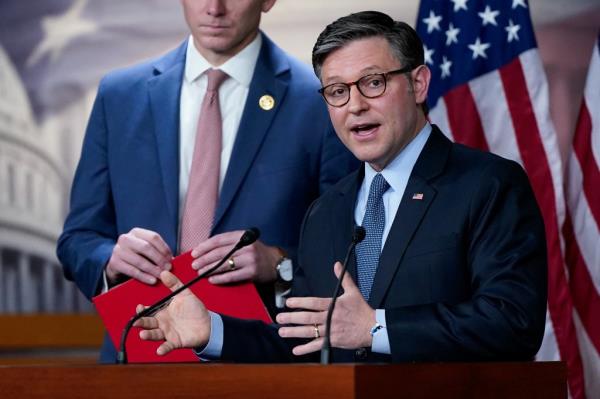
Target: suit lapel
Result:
[164, 90]
[255, 122]
[411, 211]
[342, 220]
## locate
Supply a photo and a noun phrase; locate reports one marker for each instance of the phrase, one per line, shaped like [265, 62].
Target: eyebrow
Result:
[365, 71]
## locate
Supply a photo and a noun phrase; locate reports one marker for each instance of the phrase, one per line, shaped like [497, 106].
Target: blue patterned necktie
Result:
[368, 251]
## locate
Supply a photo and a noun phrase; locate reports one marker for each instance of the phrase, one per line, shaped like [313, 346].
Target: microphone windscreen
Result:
[358, 234]
[249, 236]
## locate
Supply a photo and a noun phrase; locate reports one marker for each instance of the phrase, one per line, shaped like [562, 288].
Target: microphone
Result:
[247, 238]
[358, 234]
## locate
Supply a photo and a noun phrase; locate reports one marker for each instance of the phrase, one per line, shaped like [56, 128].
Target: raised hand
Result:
[350, 324]
[184, 323]
[141, 254]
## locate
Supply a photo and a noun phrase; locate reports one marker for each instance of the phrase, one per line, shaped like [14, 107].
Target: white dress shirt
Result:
[232, 99]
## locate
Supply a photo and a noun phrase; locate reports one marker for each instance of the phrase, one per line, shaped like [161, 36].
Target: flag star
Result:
[479, 48]
[60, 30]
[512, 31]
[432, 21]
[488, 16]
[428, 53]
[460, 4]
[452, 34]
[517, 3]
[445, 66]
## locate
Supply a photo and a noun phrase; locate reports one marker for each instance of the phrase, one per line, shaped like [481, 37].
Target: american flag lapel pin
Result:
[417, 196]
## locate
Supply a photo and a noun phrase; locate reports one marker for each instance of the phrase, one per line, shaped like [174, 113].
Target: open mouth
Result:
[364, 129]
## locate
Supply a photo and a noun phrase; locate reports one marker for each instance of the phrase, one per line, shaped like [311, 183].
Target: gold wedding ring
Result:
[231, 263]
[317, 333]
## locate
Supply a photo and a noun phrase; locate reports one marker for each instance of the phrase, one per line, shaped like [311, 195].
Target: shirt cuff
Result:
[381, 341]
[214, 347]
[104, 282]
[281, 294]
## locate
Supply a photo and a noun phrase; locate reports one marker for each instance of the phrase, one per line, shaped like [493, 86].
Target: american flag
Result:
[582, 227]
[488, 90]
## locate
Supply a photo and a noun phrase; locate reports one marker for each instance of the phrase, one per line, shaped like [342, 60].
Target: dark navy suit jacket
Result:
[462, 275]
[128, 175]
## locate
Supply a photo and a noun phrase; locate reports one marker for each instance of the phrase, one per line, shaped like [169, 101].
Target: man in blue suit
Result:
[453, 265]
[279, 153]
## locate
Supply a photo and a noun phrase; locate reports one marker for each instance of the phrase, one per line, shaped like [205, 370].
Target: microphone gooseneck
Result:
[358, 234]
[249, 237]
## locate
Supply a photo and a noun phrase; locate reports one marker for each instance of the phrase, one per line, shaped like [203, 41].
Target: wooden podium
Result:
[526, 380]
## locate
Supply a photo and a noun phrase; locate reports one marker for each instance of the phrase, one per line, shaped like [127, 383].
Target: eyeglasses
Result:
[370, 86]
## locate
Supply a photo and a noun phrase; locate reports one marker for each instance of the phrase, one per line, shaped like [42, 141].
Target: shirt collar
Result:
[397, 172]
[240, 67]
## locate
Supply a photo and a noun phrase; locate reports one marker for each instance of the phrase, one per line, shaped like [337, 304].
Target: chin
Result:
[217, 42]
[364, 154]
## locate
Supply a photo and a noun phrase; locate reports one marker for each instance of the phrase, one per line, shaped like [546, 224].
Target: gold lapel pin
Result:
[266, 102]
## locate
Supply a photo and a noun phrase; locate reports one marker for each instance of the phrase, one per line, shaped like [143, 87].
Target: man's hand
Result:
[141, 254]
[184, 323]
[255, 262]
[350, 324]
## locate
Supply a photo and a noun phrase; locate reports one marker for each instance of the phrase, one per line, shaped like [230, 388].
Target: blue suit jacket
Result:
[128, 174]
[462, 275]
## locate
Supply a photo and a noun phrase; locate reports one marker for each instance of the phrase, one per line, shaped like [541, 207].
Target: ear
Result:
[267, 5]
[421, 76]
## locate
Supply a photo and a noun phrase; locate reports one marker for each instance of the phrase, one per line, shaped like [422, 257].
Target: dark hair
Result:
[404, 42]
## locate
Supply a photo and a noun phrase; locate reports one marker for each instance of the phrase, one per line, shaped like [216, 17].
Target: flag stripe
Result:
[585, 229]
[439, 116]
[582, 145]
[539, 99]
[549, 350]
[534, 159]
[581, 228]
[495, 116]
[591, 360]
[583, 291]
[464, 118]
[592, 100]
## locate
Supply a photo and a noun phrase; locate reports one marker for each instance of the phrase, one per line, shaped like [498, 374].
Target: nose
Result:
[357, 102]
[215, 8]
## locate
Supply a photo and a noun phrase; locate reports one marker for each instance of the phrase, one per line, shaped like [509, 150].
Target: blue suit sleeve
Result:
[89, 234]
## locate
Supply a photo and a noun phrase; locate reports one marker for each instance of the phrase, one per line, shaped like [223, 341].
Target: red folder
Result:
[117, 306]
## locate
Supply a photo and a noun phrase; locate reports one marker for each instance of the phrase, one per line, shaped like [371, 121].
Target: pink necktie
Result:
[203, 187]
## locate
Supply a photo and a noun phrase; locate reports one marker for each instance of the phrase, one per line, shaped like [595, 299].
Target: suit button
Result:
[360, 354]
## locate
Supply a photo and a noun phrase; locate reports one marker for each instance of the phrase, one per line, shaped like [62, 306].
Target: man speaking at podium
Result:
[453, 265]
[185, 151]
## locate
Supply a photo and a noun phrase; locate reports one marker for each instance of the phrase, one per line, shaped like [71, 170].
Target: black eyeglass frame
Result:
[349, 85]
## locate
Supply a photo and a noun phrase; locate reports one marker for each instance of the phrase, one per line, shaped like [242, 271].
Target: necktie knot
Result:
[215, 78]
[378, 186]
